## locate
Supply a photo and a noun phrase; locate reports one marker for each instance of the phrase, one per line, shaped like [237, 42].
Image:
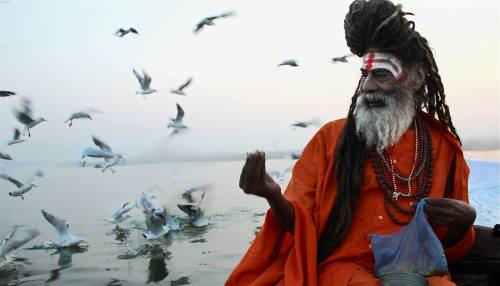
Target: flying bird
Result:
[22, 188]
[191, 204]
[176, 123]
[27, 118]
[122, 32]
[158, 220]
[305, 124]
[79, 115]
[64, 238]
[144, 82]
[103, 151]
[209, 21]
[342, 59]
[5, 156]
[180, 89]
[110, 162]
[290, 62]
[14, 240]
[120, 214]
[16, 138]
[5, 93]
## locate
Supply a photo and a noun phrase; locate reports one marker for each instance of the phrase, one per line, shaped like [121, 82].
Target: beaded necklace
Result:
[420, 173]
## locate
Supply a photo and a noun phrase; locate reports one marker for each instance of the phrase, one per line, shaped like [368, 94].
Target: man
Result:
[364, 174]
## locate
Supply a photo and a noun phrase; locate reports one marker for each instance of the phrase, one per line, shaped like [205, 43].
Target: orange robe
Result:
[277, 257]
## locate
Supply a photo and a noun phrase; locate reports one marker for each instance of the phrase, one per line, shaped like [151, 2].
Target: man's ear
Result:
[416, 77]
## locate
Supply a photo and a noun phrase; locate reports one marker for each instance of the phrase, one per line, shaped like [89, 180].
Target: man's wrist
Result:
[274, 195]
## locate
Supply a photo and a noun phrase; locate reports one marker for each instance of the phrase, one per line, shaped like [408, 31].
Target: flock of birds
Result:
[158, 219]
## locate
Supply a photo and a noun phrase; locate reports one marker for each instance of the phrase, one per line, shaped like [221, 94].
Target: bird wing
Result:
[23, 117]
[174, 132]
[199, 26]
[139, 78]
[4, 93]
[27, 108]
[99, 143]
[12, 180]
[17, 134]
[121, 32]
[188, 195]
[227, 14]
[133, 30]
[17, 239]
[180, 113]
[5, 156]
[185, 84]
[60, 225]
[147, 79]
[52, 219]
[124, 209]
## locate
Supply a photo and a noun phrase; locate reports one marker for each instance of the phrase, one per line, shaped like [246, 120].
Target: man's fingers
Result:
[261, 167]
[432, 210]
[438, 202]
[440, 221]
[244, 170]
[249, 177]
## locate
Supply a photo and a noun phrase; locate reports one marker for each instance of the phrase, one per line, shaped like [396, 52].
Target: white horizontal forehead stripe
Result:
[384, 61]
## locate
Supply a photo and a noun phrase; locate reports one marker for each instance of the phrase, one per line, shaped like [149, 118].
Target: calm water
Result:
[86, 197]
[197, 256]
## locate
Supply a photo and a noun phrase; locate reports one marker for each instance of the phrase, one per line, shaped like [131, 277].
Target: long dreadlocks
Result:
[381, 25]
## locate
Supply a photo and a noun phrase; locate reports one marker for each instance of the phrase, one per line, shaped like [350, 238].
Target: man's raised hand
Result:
[254, 179]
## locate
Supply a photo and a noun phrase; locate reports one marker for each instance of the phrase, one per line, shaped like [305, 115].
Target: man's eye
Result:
[381, 75]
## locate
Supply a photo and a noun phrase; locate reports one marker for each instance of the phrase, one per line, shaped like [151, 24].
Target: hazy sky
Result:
[63, 55]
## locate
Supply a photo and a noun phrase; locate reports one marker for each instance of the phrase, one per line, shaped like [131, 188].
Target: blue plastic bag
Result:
[414, 249]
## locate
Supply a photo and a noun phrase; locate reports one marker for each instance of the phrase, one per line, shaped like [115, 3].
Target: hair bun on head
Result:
[377, 24]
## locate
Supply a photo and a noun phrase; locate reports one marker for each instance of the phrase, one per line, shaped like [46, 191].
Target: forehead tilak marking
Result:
[372, 60]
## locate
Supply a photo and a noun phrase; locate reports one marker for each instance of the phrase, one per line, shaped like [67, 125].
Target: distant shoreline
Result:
[490, 155]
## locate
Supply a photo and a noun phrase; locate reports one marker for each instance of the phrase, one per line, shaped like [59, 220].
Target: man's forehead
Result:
[382, 61]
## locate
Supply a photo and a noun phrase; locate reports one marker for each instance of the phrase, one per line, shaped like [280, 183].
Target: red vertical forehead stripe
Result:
[369, 64]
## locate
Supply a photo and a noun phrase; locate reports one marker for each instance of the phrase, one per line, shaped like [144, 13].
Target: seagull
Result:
[191, 205]
[209, 21]
[144, 81]
[342, 59]
[120, 214]
[156, 220]
[16, 138]
[78, 115]
[14, 240]
[104, 151]
[110, 162]
[22, 188]
[27, 118]
[176, 123]
[5, 156]
[305, 124]
[291, 62]
[65, 239]
[122, 32]
[5, 93]
[180, 89]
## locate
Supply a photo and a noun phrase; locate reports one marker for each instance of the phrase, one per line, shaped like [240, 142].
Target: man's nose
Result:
[369, 84]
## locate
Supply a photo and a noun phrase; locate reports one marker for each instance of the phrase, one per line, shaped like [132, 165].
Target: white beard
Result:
[382, 126]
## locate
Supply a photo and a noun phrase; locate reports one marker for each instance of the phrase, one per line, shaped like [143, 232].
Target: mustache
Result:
[382, 98]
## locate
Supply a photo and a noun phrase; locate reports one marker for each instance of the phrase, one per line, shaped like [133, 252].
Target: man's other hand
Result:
[449, 212]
